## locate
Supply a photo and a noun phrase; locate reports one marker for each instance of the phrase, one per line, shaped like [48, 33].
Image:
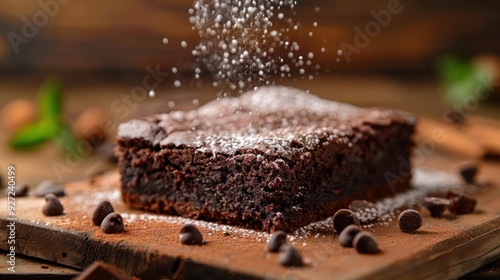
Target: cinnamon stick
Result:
[448, 138]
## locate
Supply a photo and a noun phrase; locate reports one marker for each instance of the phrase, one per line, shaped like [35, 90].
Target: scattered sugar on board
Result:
[113, 196]
[424, 183]
[235, 232]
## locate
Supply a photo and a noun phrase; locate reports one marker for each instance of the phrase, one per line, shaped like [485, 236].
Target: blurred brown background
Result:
[122, 37]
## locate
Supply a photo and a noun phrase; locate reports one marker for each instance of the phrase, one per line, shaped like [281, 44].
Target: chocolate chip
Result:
[47, 187]
[53, 206]
[21, 191]
[277, 239]
[436, 205]
[461, 203]
[190, 235]
[103, 209]
[468, 171]
[113, 223]
[289, 256]
[410, 220]
[366, 211]
[365, 243]
[346, 237]
[343, 218]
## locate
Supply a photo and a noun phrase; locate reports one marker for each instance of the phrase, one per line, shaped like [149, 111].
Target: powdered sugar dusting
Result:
[235, 232]
[424, 183]
[286, 117]
[112, 196]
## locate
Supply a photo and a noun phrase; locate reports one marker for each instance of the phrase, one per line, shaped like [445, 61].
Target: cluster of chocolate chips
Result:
[346, 222]
[50, 191]
[289, 255]
[461, 204]
[456, 203]
[105, 216]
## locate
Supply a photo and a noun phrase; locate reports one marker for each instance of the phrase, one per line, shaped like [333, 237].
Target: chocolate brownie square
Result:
[275, 158]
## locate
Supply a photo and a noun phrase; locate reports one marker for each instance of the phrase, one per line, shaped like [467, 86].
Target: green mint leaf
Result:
[461, 79]
[454, 69]
[50, 101]
[33, 134]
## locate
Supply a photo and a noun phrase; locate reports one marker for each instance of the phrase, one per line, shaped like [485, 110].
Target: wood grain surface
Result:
[443, 248]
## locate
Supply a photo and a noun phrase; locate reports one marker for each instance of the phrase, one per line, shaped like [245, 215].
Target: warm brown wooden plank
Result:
[31, 268]
[446, 247]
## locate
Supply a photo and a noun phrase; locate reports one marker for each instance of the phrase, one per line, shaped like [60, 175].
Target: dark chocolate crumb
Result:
[53, 206]
[343, 218]
[436, 205]
[103, 209]
[346, 237]
[461, 203]
[47, 187]
[277, 239]
[410, 220]
[366, 211]
[113, 223]
[190, 235]
[289, 256]
[365, 243]
[468, 171]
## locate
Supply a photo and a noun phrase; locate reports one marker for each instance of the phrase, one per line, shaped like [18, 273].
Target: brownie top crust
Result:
[270, 120]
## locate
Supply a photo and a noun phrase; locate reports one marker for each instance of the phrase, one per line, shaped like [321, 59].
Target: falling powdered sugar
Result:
[241, 42]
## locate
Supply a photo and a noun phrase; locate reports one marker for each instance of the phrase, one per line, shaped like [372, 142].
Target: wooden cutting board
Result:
[444, 247]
